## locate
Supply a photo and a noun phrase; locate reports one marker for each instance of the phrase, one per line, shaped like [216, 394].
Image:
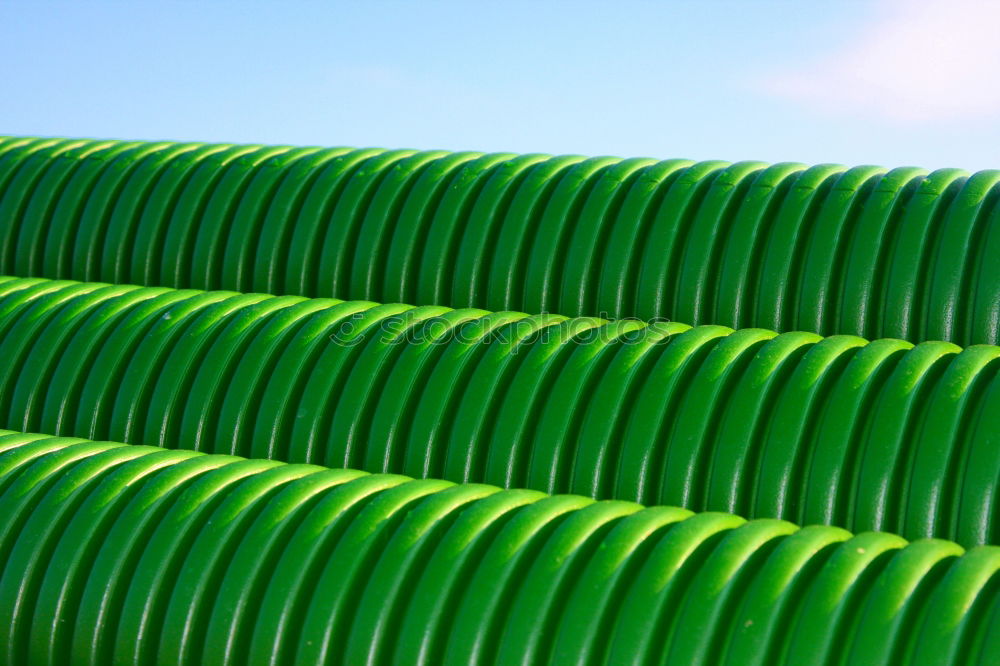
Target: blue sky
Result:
[888, 82]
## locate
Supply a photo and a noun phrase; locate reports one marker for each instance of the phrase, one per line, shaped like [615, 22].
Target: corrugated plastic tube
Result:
[130, 554]
[899, 253]
[864, 435]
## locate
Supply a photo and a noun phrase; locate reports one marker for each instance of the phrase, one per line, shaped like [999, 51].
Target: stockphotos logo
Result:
[500, 328]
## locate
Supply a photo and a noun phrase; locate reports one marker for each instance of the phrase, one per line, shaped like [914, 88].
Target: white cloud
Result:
[920, 61]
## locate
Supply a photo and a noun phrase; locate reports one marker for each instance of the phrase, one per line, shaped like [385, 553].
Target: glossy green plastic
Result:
[881, 435]
[130, 554]
[901, 253]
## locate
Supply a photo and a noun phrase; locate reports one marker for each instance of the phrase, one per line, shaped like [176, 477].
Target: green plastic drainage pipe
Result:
[881, 435]
[136, 555]
[900, 253]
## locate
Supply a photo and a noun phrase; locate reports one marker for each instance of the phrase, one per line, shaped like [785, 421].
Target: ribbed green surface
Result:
[129, 554]
[161, 554]
[881, 435]
[901, 253]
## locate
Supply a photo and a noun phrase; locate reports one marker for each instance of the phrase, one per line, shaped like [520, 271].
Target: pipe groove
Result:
[865, 435]
[901, 253]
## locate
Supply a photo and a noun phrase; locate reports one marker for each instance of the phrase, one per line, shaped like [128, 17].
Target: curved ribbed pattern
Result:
[136, 555]
[900, 253]
[881, 435]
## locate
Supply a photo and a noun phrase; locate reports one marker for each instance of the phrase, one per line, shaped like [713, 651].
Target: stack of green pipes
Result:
[502, 446]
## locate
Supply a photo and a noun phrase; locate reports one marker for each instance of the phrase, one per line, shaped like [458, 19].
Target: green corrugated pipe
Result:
[882, 435]
[900, 253]
[130, 554]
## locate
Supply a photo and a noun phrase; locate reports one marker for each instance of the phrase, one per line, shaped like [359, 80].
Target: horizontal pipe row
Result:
[865, 251]
[136, 555]
[865, 435]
